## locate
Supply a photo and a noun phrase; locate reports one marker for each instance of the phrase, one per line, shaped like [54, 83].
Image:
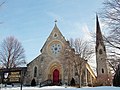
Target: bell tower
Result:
[101, 57]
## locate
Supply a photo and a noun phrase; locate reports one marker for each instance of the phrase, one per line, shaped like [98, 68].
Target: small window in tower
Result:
[102, 70]
[100, 51]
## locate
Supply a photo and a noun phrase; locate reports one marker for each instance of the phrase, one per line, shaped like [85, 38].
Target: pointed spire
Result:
[55, 21]
[99, 37]
[55, 30]
[55, 24]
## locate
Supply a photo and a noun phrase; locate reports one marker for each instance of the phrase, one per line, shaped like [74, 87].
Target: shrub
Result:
[33, 82]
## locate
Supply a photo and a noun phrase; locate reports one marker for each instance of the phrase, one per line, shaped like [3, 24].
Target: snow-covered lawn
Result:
[62, 88]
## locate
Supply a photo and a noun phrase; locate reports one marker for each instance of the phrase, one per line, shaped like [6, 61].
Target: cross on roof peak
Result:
[55, 21]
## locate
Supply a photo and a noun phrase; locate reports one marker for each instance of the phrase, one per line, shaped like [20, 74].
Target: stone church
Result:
[59, 63]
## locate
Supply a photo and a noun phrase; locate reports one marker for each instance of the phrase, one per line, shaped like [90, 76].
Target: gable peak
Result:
[55, 27]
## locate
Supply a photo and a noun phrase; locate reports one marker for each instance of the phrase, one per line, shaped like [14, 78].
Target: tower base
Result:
[103, 80]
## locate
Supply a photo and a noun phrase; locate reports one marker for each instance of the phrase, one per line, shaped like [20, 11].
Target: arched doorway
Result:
[55, 76]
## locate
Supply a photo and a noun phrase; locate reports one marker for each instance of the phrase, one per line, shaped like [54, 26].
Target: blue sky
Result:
[31, 21]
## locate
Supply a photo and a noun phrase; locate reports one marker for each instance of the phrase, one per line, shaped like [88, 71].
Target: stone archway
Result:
[55, 72]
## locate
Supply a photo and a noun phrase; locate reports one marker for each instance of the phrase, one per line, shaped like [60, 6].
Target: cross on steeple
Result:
[55, 21]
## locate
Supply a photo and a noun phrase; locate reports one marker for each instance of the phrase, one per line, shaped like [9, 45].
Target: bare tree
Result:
[82, 48]
[73, 59]
[2, 3]
[11, 53]
[113, 53]
[81, 53]
[110, 14]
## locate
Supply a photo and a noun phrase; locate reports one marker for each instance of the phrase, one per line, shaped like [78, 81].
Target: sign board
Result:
[12, 77]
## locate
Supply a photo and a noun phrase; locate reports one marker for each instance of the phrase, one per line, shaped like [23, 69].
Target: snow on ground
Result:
[62, 88]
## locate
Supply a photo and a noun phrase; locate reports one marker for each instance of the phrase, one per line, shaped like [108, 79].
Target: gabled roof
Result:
[55, 32]
[90, 70]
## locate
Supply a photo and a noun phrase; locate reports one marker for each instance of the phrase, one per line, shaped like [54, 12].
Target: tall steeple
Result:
[99, 36]
[101, 57]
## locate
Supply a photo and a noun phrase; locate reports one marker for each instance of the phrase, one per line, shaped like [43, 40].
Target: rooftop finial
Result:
[55, 21]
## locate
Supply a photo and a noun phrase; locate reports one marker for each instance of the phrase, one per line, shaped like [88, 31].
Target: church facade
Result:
[59, 63]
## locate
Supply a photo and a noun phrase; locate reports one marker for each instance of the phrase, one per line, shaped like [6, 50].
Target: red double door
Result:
[55, 77]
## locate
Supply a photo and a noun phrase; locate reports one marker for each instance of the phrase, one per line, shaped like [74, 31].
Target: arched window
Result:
[35, 71]
[102, 70]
